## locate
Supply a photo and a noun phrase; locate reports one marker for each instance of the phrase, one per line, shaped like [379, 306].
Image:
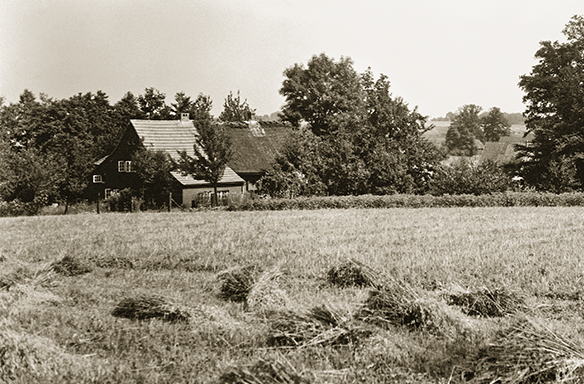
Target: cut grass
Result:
[408, 332]
[150, 306]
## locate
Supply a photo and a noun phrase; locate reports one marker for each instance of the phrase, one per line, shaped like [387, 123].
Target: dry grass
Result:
[319, 326]
[486, 302]
[528, 251]
[70, 266]
[353, 273]
[266, 294]
[529, 352]
[264, 372]
[235, 283]
[150, 306]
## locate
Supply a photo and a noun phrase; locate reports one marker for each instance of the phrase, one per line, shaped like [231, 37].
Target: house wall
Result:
[111, 177]
[190, 195]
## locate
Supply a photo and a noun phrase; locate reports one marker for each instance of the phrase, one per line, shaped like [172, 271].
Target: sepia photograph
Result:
[292, 192]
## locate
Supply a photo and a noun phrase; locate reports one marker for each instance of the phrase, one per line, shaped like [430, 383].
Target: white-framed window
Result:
[97, 179]
[125, 166]
[109, 192]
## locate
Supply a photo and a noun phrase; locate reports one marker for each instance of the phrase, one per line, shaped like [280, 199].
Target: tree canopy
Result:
[358, 138]
[212, 153]
[235, 110]
[554, 99]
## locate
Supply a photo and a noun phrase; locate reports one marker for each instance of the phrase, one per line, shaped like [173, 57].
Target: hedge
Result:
[504, 199]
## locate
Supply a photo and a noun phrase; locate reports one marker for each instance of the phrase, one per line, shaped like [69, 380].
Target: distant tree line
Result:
[351, 136]
[48, 146]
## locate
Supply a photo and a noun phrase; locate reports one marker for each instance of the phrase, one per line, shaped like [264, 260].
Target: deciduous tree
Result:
[212, 153]
[554, 98]
[464, 130]
[495, 125]
[235, 110]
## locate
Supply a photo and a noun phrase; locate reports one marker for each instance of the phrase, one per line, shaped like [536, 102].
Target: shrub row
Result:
[503, 199]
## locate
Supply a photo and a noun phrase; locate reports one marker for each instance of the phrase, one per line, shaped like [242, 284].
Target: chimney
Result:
[184, 117]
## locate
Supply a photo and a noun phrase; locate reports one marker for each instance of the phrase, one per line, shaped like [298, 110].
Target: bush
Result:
[464, 177]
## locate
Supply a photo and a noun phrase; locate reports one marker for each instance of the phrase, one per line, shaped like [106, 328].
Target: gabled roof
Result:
[170, 136]
[173, 136]
[256, 145]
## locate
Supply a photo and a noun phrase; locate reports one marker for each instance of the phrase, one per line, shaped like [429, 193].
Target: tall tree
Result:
[201, 108]
[183, 104]
[554, 98]
[368, 140]
[212, 153]
[320, 92]
[464, 130]
[495, 125]
[153, 106]
[235, 110]
[153, 170]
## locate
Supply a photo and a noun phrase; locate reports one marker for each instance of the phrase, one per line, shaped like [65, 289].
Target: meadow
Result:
[63, 278]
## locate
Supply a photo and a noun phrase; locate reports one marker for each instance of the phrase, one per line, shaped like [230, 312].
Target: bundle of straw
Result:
[321, 325]
[236, 283]
[353, 273]
[528, 352]
[264, 372]
[266, 293]
[486, 302]
[70, 266]
[150, 306]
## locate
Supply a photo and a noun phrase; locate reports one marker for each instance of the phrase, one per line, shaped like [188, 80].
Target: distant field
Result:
[437, 135]
[58, 328]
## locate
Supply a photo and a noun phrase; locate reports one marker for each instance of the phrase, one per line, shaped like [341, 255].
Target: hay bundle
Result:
[397, 304]
[386, 307]
[320, 326]
[114, 262]
[528, 352]
[150, 307]
[486, 302]
[264, 372]
[266, 293]
[236, 283]
[70, 266]
[353, 273]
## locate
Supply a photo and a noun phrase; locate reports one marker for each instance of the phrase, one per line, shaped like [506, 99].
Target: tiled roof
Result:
[256, 146]
[172, 136]
[228, 177]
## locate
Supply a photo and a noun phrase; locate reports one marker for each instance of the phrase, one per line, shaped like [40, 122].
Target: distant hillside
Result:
[512, 118]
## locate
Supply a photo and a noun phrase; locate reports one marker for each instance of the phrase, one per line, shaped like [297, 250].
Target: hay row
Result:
[150, 306]
[264, 372]
[528, 352]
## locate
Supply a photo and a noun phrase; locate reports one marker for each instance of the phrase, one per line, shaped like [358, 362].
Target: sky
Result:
[438, 54]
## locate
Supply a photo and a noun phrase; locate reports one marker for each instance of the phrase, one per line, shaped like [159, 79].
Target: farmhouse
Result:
[255, 147]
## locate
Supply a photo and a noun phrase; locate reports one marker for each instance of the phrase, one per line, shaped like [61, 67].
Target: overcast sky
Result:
[439, 55]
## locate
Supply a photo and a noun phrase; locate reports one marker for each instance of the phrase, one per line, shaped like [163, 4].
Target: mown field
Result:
[430, 295]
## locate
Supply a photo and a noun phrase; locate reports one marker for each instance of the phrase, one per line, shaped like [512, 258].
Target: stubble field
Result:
[63, 278]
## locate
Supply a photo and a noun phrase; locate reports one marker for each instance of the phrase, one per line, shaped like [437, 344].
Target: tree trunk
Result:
[214, 199]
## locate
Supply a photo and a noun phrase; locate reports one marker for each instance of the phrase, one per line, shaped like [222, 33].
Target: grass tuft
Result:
[528, 352]
[236, 283]
[264, 372]
[485, 302]
[150, 307]
[266, 293]
[70, 266]
[352, 273]
[321, 325]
